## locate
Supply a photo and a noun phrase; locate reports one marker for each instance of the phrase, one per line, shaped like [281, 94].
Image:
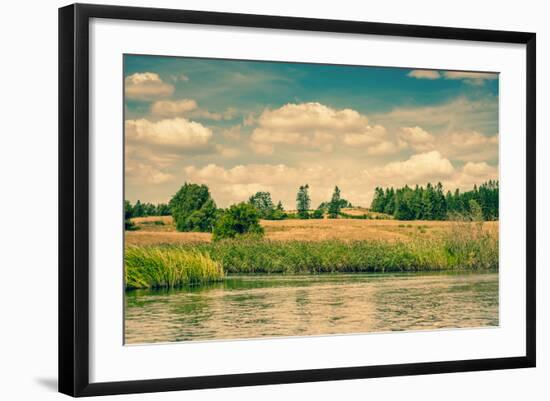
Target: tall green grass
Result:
[155, 267]
[347, 257]
[465, 247]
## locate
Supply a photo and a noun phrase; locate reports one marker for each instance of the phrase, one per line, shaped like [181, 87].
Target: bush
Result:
[318, 214]
[355, 216]
[130, 226]
[193, 209]
[239, 219]
[278, 215]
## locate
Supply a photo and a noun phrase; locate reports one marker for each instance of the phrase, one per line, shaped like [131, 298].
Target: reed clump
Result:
[158, 267]
[465, 247]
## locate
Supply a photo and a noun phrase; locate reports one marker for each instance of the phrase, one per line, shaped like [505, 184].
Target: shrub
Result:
[318, 214]
[130, 226]
[239, 219]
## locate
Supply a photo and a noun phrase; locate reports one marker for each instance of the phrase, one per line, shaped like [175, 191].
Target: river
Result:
[271, 306]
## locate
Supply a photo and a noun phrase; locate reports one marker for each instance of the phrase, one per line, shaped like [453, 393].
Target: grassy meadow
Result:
[160, 230]
[157, 255]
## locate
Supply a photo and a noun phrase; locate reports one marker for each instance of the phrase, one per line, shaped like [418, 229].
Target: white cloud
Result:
[315, 126]
[469, 146]
[460, 114]
[188, 108]
[417, 138]
[386, 148]
[366, 137]
[310, 117]
[146, 86]
[472, 174]
[227, 151]
[180, 78]
[168, 108]
[417, 169]
[472, 78]
[176, 132]
[424, 74]
[236, 184]
[232, 133]
[209, 115]
[432, 167]
[479, 169]
[262, 148]
[145, 174]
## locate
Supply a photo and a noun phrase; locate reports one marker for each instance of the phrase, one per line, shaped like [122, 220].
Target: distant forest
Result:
[145, 209]
[406, 203]
[432, 203]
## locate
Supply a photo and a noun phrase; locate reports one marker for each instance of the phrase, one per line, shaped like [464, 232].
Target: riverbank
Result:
[179, 265]
[157, 267]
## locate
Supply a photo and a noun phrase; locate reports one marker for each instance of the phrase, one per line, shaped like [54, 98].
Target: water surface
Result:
[270, 306]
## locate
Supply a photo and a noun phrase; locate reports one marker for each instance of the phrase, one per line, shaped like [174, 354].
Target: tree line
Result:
[145, 209]
[432, 203]
[194, 209]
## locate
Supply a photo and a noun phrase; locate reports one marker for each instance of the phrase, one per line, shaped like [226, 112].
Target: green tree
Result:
[389, 201]
[403, 202]
[163, 209]
[128, 210]
[378, 201]
[279, 212]
[476, 212]
[303, 201]
[431, 203]
[334, 205]
[428, 203]
[149, 209]
[128, 214]
[416, 202]
[239, 219]
[263, 204]
[138, 209]
[202, 219]
[458, 203]
[318, 214]
[193, 209]
[440, 204]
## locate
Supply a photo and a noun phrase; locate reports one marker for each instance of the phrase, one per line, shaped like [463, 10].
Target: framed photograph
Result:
[250, 199]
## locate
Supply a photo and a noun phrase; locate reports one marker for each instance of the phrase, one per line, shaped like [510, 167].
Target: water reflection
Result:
[260, 306]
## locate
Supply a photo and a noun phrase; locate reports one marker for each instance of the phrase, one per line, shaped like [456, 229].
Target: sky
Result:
[246, 126]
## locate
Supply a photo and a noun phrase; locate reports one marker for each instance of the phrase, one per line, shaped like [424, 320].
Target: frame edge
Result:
[66, 306]
[73, 194]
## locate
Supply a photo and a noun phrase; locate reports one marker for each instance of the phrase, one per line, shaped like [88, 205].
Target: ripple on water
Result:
[271, 306]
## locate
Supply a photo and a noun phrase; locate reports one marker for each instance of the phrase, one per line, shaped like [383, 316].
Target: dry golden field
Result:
[151, 233]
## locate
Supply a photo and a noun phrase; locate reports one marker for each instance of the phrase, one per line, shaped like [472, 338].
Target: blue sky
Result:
[242, 126]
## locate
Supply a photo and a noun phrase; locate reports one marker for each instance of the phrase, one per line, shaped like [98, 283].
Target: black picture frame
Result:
[74, 199]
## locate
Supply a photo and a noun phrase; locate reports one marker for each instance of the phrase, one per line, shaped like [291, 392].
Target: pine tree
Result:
[431, 203]
[379, 201]
[303, 202]
[389, 201]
